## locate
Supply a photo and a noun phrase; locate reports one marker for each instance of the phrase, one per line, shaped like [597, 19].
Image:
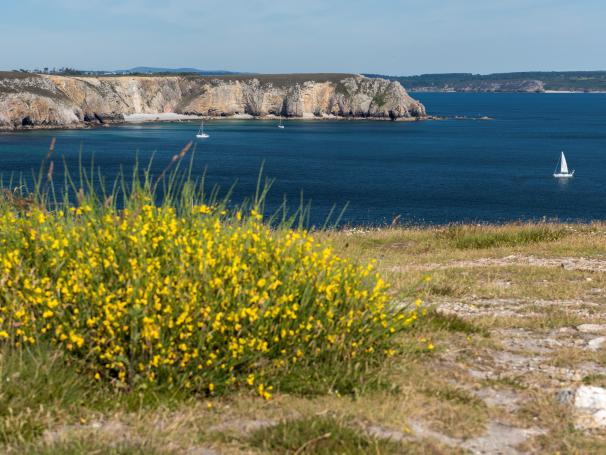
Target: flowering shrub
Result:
[199, 299]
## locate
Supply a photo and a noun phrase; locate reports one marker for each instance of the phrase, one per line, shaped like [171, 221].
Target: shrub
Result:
[198, 298]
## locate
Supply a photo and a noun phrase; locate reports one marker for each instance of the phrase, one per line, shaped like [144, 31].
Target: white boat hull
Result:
[281, 126]
[560, 175]
[202, 136]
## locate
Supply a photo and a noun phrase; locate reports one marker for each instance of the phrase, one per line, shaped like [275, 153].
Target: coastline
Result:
[172, 117]
[543, 92]
[558, 92]
[135, 119]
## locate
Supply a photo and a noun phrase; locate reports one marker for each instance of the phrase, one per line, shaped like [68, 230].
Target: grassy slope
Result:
[490, 286]
[573, 80]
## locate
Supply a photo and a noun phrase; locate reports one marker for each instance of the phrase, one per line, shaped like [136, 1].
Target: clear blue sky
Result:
[400, 37]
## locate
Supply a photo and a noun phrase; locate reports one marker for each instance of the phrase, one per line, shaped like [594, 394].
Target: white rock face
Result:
[45, 101]
[590, 407]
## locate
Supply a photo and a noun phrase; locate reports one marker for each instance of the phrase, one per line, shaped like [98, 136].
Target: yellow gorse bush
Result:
[202, 300]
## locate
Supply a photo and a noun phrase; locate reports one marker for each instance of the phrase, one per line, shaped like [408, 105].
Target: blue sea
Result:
[460, 169]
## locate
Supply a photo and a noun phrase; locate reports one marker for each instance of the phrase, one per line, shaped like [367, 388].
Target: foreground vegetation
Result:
[428, 401]
[144, 295]
[109, 301]
[188, 327]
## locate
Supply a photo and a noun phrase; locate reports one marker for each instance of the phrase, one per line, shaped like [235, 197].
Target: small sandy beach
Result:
[162, 117]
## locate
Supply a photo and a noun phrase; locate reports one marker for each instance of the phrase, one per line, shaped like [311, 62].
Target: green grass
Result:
[465, 237]
[316, 379]
[41, 386]
[454, 395]
[453, 323]
[320, 436]
[379, 99]
[37, 385]
[598, 380]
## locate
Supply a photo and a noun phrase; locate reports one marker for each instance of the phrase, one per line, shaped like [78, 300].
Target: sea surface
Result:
[432, 172]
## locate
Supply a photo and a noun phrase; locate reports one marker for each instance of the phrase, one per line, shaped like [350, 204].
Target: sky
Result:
[395, 37]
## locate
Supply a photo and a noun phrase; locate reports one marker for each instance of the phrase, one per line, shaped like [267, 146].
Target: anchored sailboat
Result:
[280, 125]
[564, 172]
[201, 134]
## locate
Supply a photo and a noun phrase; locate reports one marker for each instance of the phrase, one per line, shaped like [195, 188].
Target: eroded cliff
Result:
[29, 101]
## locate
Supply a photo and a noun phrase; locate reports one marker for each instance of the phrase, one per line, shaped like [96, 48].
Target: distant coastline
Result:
[526, 82]
[544, 92]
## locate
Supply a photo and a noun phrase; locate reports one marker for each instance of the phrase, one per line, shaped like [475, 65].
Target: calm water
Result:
[426, 172]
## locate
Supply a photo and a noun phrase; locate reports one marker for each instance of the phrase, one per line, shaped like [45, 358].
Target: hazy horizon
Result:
[397, 37]
[236, 72]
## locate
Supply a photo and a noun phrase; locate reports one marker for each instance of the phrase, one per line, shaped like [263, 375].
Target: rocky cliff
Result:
[29, 101]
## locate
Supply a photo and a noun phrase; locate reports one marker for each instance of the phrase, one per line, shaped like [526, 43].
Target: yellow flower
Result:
[185, 299]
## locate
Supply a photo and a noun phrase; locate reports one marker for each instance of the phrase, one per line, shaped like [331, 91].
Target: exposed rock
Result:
[242, 425]
[592, 328]
[62, 101]
[565, 396]
[114, 429]
[499, 438]
[596, 343]
[590, 407]
[503, 398]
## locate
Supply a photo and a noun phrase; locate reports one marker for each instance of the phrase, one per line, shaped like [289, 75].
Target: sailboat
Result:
[564, 172]
[201, 134]
[280, 125]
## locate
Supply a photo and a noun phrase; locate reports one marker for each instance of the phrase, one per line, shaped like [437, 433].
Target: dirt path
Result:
[567, 263]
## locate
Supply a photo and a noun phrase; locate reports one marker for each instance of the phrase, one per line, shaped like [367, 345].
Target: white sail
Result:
[563, 172]
[563, 165]
[201, 134]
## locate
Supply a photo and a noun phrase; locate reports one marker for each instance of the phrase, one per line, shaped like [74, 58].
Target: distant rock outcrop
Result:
[30, 101]
[532, 86]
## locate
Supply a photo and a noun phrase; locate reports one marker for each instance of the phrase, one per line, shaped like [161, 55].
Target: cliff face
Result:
[46, 101]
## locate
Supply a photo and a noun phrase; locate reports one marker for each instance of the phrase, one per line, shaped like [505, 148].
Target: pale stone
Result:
[590, 397]
[596, 343]
[590, 407]
[592, 328]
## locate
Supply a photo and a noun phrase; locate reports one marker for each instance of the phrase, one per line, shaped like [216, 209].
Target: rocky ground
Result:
[533, 358]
